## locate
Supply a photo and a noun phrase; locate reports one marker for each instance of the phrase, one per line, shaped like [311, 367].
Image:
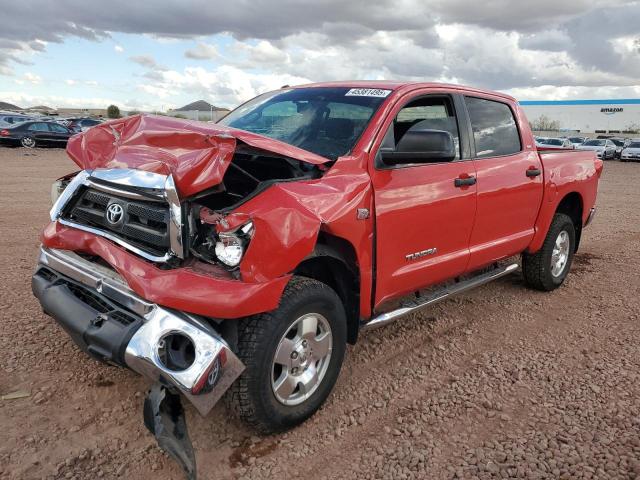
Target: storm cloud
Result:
[497, 44]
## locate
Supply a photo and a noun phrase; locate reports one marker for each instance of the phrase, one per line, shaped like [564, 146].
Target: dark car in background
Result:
[36, 134]
[77, 125]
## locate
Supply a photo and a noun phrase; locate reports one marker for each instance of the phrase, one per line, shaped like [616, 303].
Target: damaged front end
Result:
[180, 353]
[148, 253]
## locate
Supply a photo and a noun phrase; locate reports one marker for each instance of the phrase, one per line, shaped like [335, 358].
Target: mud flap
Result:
[164, 418]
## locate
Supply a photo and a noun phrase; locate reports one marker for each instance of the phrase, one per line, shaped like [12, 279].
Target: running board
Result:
[440, 295]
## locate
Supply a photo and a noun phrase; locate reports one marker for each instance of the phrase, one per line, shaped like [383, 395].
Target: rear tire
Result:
[546, 269]
[292, 356]
[28, 142]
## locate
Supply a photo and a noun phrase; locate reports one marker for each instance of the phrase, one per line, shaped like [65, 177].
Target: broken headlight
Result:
[57, 188]
[226, 247]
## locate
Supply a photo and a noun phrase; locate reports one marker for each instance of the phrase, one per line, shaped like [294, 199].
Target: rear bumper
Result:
[111, 323]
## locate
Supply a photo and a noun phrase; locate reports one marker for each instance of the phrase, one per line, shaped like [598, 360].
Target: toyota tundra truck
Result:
[240, 258]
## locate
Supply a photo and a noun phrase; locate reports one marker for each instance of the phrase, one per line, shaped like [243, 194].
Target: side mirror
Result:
[421, 146]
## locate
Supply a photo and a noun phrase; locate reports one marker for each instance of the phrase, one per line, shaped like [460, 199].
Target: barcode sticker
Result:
[367, 92]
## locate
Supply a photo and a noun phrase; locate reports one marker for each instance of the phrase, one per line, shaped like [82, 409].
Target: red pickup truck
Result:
[245, 255]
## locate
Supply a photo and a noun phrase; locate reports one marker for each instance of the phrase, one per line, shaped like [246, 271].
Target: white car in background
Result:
[631, 153]
[604, 148]
[578, 140]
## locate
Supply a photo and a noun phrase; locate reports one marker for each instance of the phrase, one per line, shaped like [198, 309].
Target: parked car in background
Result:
[604, 148]
[14, 118]
[631, 153]
[555, 144]
[80, 124]
[539, 141]
[578, 140]
[620, 143]
[36, 134]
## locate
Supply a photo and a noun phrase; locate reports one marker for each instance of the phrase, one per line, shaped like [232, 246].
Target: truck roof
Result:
[397, 85]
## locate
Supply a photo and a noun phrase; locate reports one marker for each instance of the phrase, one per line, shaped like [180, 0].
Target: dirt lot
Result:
[502, 382]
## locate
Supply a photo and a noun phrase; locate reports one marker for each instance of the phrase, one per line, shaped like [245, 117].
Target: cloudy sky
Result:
[156, 55]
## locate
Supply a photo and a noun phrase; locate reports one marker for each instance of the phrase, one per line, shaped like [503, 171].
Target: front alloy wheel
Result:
[292, 356]
[301, 359]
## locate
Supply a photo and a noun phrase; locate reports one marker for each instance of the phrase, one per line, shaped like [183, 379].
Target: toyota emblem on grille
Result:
[114, 213]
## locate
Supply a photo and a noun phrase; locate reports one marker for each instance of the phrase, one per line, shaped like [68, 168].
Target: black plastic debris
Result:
[164, 418]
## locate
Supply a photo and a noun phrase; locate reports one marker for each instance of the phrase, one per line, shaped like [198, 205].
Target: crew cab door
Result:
[510, 182]
[424, 210]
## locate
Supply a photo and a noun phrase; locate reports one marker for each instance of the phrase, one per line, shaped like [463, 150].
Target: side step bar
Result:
[438, 296]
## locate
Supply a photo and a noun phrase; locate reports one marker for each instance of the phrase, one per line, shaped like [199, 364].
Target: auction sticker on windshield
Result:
[367, 92]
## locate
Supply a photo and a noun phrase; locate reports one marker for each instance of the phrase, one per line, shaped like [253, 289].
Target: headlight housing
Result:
[227, 248]
[57, 188]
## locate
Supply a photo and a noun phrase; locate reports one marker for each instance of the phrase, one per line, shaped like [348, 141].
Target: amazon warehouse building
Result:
[617, 116]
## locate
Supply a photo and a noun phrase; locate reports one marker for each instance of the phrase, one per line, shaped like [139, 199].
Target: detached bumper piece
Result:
[179, 352]
[164, 417]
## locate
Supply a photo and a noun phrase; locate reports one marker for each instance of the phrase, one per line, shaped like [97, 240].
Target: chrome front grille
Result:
[138, 210]
[145, 224]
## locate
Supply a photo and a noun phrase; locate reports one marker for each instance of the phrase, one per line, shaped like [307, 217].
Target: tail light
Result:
[4, 133]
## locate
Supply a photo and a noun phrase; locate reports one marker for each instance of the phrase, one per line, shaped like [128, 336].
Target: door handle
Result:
[464, 182]
[533, 172]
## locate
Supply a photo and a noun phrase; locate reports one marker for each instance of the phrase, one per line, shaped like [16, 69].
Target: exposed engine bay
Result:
[250, 172]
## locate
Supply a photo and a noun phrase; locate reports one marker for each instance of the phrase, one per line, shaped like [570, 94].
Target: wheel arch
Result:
[334, 262]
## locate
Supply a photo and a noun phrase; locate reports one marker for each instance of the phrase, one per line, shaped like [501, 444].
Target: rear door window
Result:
[495, 130]
[39, 127]
[54, 127]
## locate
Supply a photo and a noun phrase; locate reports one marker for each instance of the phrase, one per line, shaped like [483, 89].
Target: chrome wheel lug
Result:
[294, 355]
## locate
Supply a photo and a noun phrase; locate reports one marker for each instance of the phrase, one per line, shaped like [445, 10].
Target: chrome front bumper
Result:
[214, 368]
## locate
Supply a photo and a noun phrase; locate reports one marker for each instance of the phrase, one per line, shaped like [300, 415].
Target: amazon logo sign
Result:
[611, 110]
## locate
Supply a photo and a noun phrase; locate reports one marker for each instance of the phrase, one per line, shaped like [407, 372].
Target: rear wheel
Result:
[547, 268]
[28, 142]
[292, 356]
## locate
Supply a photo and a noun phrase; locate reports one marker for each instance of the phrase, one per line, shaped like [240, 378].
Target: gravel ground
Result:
[503, 382]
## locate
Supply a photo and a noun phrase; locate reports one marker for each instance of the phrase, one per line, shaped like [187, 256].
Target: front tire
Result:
[292, 356]
[546, 269]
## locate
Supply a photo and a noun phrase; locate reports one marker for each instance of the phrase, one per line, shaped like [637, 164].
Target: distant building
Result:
[199, 110]
[82, 112]
[588, 116]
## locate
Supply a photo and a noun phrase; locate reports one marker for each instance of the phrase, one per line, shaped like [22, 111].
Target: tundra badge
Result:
[422, 253]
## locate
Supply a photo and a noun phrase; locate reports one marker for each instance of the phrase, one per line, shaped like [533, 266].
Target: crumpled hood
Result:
[196, 154]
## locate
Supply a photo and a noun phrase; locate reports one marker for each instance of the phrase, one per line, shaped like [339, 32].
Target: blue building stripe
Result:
[614, 101]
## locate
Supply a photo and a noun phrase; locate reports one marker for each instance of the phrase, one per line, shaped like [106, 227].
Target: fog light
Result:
[176, 352]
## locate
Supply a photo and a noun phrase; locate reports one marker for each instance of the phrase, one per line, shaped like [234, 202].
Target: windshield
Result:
[322, 120]
[575, 140]
[618, 143]
[594, 143]
[553, 141]
[634, 145]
